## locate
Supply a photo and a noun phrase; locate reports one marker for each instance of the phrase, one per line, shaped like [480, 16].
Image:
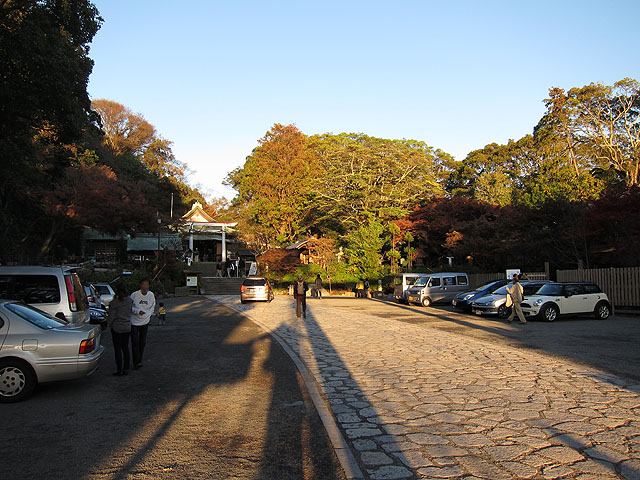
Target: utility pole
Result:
[159, 222]
[172, 206]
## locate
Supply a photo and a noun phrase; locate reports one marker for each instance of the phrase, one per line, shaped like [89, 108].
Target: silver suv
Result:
[55, 290]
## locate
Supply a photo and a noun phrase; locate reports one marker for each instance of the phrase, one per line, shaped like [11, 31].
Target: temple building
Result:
[208, 240]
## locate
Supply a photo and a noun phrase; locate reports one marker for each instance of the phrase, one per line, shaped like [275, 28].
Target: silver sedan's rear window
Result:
[34, 316]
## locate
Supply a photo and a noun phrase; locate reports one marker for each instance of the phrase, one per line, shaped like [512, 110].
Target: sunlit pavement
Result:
[419, 402]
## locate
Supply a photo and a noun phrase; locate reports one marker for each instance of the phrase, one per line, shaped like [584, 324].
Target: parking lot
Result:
[610, 344]
[216, 399]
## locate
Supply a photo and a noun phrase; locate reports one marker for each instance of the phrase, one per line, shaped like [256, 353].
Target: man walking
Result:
[318, 286]
[300, 294]
[515, 293]
[144, 303]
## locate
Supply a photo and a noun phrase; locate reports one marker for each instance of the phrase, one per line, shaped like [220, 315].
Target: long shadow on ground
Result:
[215, 399]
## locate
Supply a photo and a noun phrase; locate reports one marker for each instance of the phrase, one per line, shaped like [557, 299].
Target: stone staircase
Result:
[221, 286]
[212, 285]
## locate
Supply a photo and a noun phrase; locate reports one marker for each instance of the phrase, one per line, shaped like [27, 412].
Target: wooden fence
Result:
[622, 285]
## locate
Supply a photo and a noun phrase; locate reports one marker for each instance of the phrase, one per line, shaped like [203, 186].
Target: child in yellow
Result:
[162, 313]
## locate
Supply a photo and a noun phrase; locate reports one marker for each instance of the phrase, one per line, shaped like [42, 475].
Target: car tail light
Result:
[71, 293]
[242, 288]
[87, 346]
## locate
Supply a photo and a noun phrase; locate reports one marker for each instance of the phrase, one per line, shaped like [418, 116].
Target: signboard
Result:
[511, 272]
[192, 280]
[253, 268]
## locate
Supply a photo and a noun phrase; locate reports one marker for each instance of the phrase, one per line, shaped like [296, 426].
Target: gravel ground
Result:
[216, 399]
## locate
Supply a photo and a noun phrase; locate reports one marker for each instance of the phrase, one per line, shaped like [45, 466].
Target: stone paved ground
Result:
[415, 402]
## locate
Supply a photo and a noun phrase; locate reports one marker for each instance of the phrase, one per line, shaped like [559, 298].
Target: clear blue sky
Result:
[213, 76]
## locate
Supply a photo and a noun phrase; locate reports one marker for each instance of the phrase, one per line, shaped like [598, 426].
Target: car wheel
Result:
[426, 302]
[504, 311]
[549, 313]
[17, 380]
[602, 311]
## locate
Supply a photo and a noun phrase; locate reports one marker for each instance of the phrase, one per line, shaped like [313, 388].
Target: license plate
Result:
[478, 312]
[413, 299]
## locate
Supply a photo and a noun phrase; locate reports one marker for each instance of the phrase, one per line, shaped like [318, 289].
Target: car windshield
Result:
[550, 289]
[103, 290]
[531, 288]
[421, 282]
[255, 282]
[35, 316]
[501, 291]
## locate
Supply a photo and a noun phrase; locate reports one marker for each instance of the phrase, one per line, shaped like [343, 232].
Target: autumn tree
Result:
[274, 185]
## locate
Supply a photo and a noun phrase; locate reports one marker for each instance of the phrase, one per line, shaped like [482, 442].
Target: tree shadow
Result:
[217, 398]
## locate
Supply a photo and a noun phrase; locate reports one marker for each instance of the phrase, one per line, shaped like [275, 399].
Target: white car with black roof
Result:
[562, 299]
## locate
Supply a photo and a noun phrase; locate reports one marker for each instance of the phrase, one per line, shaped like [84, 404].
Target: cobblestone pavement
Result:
[415, 402]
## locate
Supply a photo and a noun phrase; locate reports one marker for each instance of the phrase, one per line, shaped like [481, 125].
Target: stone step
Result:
[221, 286]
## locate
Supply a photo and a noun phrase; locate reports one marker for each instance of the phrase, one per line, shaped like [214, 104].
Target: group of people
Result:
[231, 268]
[129, 317]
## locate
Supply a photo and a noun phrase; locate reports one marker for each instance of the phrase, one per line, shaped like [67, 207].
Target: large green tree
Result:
[604, 118]
[363, 177]
[44, 110]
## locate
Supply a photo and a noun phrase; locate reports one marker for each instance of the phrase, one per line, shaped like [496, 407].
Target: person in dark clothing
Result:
[241, 267]
[300, 294]
[119, 320]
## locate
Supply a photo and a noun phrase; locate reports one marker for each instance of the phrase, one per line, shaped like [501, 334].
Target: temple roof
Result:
[197, 215]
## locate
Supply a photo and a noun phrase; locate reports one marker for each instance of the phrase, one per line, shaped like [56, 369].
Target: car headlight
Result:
[467, 297]
[537, 303]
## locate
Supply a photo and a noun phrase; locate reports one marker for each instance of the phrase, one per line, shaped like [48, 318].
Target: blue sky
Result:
[213, 76]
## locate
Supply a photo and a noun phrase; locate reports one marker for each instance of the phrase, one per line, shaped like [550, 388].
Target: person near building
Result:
[300, 294]
[143, 306]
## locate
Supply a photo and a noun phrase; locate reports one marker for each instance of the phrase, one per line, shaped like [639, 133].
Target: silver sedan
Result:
[36, 347]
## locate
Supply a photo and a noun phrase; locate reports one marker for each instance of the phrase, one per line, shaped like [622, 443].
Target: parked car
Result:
[93, 297]
[256, 289]
[559, 299]
[437, 287]
[55, 290]
[464, 300]
[36, 347]
[97, 311]
[402, 282]
[495, 304]
[106, 292]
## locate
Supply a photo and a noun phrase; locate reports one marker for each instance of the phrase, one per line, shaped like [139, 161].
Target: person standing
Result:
[367, 287]
[300, 294]
[119, 320]
[218, 269]
[318, 286]
[242, 265]
[144, 303]
[515, 292]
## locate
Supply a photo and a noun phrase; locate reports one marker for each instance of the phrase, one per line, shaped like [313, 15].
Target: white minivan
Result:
[437, 287]
[55, 290]
[402, 282]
